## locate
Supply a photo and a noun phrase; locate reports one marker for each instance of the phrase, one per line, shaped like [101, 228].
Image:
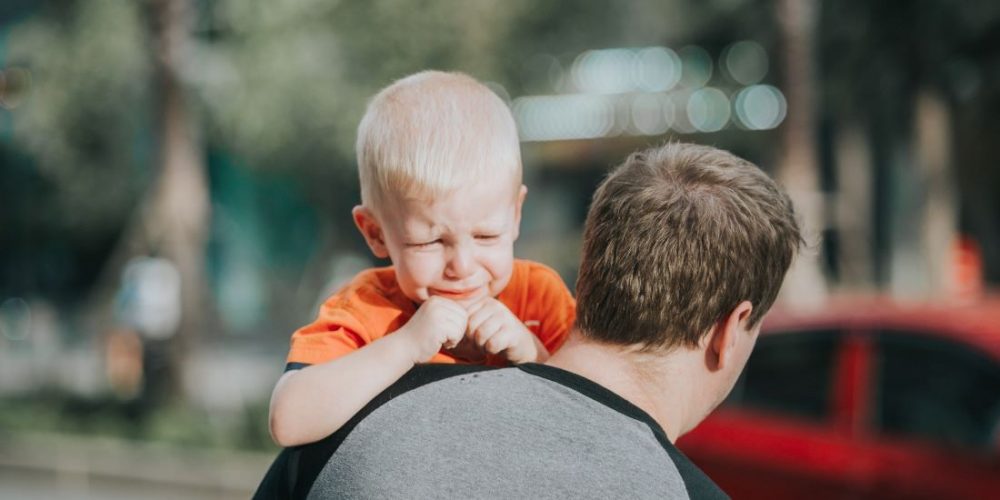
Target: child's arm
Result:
[312, 403]
[497, 330]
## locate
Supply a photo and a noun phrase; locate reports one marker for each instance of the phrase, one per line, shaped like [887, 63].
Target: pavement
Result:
[65, 467]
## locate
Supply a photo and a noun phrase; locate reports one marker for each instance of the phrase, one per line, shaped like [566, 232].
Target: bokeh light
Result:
[657, 69]
[608, 71]
[617, 71]
[697, 66]
[708, 109]
[548, 118]
[652, 114]
[760, 107]
[499, 90]
[542, 72]
[682, 122]
[621, 119]
[649, 91]
[745, 62]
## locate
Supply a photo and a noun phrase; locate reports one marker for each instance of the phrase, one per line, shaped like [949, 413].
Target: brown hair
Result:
[676, 237]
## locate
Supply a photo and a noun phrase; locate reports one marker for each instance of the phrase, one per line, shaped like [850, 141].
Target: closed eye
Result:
[424, 244]
[487, 237]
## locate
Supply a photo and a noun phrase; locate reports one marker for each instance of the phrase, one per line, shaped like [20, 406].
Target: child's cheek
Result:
[501, 265]
[422, 268]
[503, 259]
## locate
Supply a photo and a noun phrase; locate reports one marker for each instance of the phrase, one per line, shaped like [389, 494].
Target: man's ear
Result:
[728, 334]
[371, 229]
[521, 193]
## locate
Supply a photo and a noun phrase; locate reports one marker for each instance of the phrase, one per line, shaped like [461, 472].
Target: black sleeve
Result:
[279, 481]
[295, 366]
[699, 486]
[697, 483]
[294, 471]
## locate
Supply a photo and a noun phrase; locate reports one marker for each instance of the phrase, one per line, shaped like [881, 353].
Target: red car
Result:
[866, 399]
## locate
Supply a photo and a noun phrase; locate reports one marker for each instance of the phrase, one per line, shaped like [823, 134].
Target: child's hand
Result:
[494, 328]
[468, 351]
[438, 322]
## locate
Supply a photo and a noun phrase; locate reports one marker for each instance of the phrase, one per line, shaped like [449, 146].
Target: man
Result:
[685, 248]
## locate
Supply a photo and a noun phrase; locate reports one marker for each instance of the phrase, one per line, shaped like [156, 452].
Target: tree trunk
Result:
[854, 209]
[171, 221]
[176, 220]
[939, 214]
[797, 169]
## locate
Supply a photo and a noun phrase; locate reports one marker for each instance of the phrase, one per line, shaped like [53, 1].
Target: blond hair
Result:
[675, 238]
[432, 132]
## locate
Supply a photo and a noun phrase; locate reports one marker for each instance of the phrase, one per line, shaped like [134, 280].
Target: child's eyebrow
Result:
[427, 230]
[495, 223]
[421, 234]
[490, 228]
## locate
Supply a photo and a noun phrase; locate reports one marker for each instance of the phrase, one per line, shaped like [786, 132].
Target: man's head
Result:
[440, 168]
[680, 242]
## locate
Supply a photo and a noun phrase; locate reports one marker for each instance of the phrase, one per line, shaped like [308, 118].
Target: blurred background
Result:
[176, 179]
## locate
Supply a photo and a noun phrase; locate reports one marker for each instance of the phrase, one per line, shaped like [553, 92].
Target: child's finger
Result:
[476, 306]
[485, 331]
[498, 342]
[476, 319]
[456, 309]
[457, 333]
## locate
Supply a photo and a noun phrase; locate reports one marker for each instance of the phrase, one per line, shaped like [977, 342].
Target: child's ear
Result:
[521, 193]
[370, 228]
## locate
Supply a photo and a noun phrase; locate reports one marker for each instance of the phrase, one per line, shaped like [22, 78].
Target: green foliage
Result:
[284, 84]
[83, 120]
[53, 412]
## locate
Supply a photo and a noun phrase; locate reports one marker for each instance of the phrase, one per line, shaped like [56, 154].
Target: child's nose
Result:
[459, 262]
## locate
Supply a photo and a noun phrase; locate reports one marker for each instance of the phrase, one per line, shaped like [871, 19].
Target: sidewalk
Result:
[54, 466]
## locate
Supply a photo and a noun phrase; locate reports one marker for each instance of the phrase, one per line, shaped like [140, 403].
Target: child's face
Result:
[459, 246]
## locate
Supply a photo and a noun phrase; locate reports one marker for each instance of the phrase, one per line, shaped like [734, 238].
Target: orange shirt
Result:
[372, 305]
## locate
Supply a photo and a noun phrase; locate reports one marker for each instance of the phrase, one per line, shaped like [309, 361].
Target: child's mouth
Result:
[456, 294]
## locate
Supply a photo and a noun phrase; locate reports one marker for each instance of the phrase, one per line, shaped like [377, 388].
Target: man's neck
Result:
[659, 385]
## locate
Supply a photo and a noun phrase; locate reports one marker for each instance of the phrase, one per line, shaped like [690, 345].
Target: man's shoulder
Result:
[562, 434]
[294, 471]
[419, 376]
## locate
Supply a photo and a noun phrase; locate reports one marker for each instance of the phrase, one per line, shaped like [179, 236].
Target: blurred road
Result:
[45, 466]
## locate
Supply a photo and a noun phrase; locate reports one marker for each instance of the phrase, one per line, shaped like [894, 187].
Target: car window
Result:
[936, 389]
[789, 373]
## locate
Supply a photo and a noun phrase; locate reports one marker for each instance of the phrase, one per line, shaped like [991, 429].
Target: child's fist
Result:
[494, 328]
[437, 323]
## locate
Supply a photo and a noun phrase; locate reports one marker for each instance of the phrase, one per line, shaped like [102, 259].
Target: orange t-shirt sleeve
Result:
[334, 333]
[368, 308]
[552, 304]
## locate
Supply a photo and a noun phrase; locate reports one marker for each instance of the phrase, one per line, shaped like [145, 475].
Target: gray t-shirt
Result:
[458, 432]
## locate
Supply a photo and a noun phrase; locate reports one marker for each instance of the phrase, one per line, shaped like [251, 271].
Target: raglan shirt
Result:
[530, 431]
[372, 306]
